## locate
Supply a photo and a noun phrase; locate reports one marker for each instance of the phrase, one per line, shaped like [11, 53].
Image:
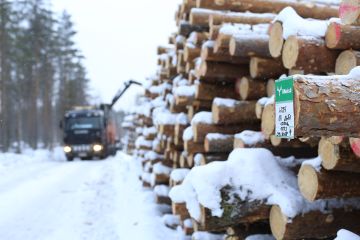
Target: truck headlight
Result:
[97, 148]
[67, 149]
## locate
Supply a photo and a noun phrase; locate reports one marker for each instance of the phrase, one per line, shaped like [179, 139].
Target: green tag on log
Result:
[284, 108]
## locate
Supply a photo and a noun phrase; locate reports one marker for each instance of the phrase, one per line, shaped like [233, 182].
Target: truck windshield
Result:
[83, 123]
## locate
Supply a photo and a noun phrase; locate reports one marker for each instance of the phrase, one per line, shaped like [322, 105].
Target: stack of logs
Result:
[213, 91]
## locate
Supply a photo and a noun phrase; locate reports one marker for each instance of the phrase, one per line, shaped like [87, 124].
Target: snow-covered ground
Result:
[44, 197]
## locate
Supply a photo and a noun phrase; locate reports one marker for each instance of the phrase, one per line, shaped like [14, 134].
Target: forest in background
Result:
[41, 73]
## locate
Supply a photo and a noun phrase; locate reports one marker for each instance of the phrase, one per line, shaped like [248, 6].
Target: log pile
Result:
[214, 93]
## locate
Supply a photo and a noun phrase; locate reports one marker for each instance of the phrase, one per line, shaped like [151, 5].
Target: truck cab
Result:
[85, 134]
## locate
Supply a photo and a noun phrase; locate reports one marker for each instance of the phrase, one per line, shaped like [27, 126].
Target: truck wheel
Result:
[69, 159]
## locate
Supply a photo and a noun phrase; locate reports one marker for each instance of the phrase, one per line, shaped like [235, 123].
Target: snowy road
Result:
[77, 200]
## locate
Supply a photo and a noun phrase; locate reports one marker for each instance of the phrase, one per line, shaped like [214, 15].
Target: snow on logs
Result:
[308, 9]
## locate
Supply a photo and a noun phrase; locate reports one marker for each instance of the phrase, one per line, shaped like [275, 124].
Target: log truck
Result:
[90, 131]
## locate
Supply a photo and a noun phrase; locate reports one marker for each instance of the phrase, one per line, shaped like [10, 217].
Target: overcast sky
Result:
[119, 40]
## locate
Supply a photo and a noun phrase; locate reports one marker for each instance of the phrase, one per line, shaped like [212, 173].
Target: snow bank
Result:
[171, 220]
[178, 175]
[149, 131]
[207, 236]
[260, 237]
[151, 155]
[346, 235]
[293, 24]
[202, 117]
[254, 174]
[197, 159]
[162, 115]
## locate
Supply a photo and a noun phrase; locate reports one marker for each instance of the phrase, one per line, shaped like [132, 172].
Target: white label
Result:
[284, 119]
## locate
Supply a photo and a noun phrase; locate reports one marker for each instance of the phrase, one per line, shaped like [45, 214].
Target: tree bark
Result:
[191, 147]
[249, 45]
[236, 212]
[309, 55]
[314, 224]
[208, 92]
[306, 9]
[266, 68]
[181, 210]
[185, 28]
[222, 55]
[218, 143]
[323, 106]
[222, 70]
[250, 89]
[243, 18]
[239, 112]
[315, 185]
[201, 129]
[200, 17]
[241, 231]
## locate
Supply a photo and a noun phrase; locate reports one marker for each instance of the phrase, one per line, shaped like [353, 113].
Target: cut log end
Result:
[275, 141]
[328, 153]
[308, 182]
[355, 146]
[276, 40]
[349, 11]
[232, 47]
[345, 62]
[244, 88]
[290, 52]
[268, 120]
[332, 36]
[254, 67]
[278, 222]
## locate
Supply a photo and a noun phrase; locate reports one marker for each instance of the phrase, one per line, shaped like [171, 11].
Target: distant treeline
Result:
[41, 73]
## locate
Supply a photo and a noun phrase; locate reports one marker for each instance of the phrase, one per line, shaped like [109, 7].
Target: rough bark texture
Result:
[208, 158]
[191, 147]
[222, 70]
[346, 61]
[323, 106]
[240, 112]
[266, 68]
[220, 144]
[222, 55]
[186, 28]
[236, 212]
[244, 18]
[327, 184]
[163, 200]
[200, 130]
[343, 37]
[306, 9]
[242, 231]
[249, 45]
[314, 224]
[200, 17]
[250, 89]
[210, 91]
[308, 54]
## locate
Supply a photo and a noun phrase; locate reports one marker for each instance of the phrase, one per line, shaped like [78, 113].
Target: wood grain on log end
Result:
[290, 52]
[278, 222]
[308, 182]
[276, 40]
[268, 120]
[346, 61]
[349, 11]
[329, 153]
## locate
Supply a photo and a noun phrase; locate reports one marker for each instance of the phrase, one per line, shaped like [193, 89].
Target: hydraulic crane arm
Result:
[122, 91]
